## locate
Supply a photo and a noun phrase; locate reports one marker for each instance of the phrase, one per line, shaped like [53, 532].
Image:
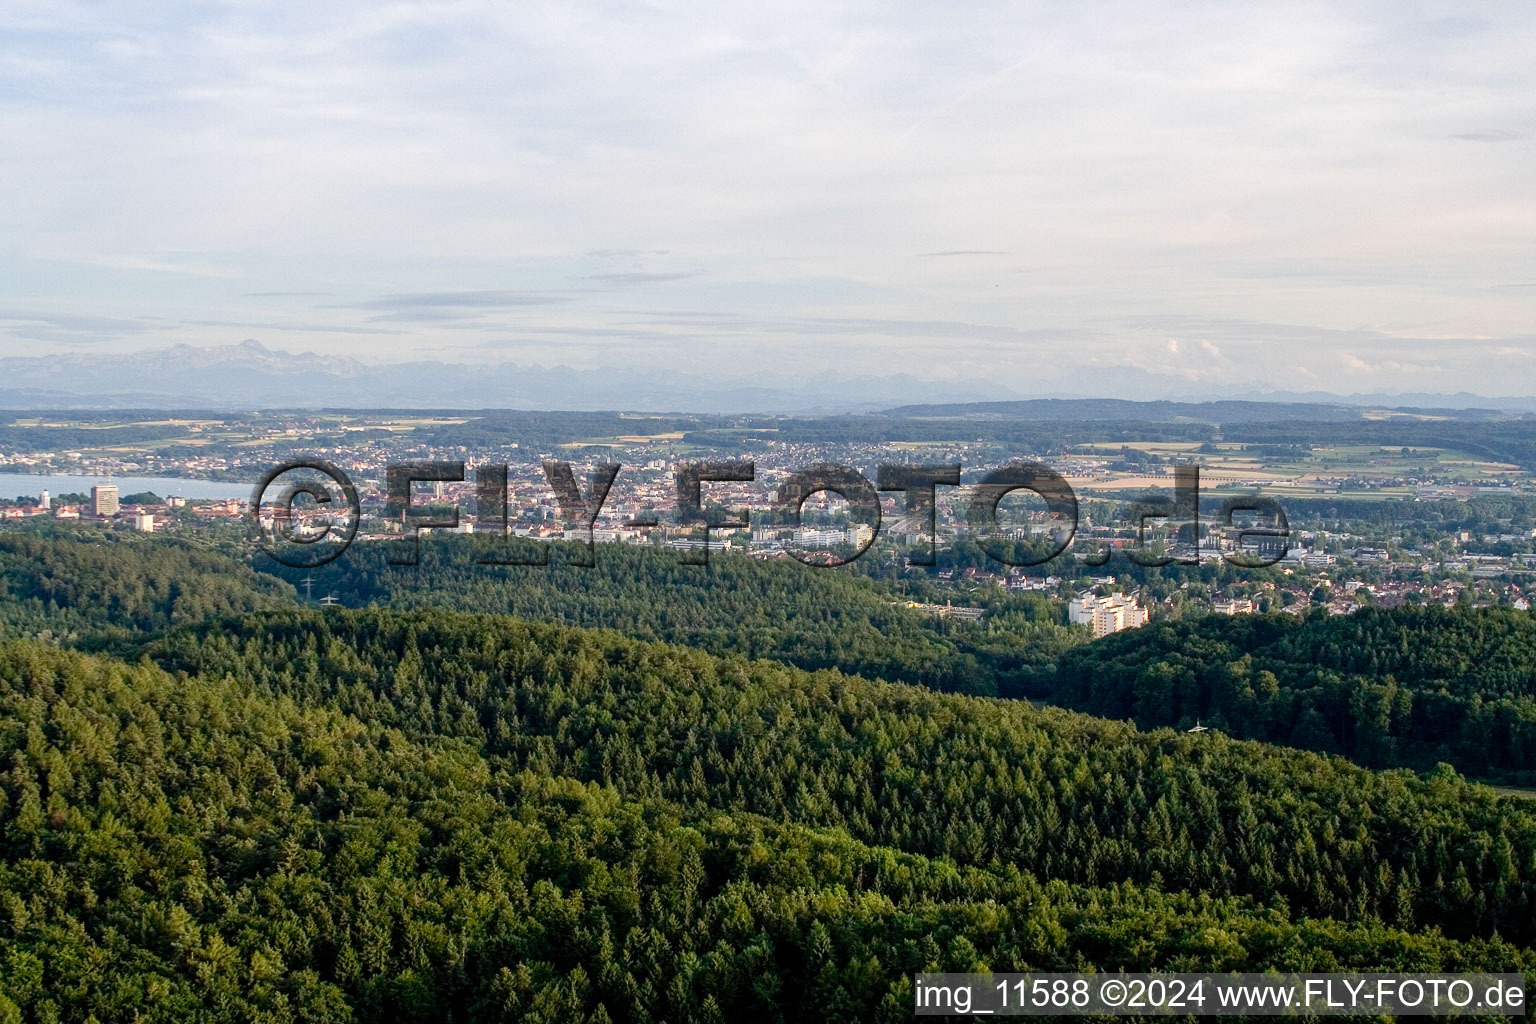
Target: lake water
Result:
[14, 485]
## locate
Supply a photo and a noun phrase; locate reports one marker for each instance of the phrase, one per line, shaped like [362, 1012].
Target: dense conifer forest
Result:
[1401, 687]
[93, 588]
[224, 806]
[809, 617]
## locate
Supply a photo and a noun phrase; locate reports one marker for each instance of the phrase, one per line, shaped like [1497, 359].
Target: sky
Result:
[1284, 196]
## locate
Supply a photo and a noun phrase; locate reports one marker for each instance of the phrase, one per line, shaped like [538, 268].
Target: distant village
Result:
[1336, 567]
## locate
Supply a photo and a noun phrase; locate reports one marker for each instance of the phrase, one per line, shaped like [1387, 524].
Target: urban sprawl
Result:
[1333, 563]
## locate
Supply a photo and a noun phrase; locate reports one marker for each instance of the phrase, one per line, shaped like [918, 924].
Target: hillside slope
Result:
[1406, 686]
[808, 617]
[176, 848]
[986, 783]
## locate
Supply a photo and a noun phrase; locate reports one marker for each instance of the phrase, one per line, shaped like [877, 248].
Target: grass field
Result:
[1321, 469]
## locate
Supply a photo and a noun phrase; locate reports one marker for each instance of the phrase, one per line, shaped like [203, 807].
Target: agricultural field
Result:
[1370, 471]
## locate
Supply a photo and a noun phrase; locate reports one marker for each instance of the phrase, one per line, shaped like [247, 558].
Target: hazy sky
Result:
[1287, 195]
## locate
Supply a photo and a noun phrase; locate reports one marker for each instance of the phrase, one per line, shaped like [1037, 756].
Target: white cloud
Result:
[1083, 170]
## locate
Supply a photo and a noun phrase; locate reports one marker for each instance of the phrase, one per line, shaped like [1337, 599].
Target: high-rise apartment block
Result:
[1106, 614]
[104, 499]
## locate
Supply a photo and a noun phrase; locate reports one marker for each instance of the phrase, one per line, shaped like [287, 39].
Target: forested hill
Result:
[94, 588]
[1401, 688]
[1405, 686]
[985, 783]
[809, 617]
[423, 815]
[178, 848]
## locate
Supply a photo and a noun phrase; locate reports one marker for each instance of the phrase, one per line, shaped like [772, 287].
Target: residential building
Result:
[104, 500]
[1106, 614]
[856, 535]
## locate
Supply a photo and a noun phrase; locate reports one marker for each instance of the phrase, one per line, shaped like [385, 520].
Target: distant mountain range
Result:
[251, 376]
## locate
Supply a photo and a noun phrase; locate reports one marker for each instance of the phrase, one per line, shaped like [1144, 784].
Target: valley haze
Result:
[250, 375]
